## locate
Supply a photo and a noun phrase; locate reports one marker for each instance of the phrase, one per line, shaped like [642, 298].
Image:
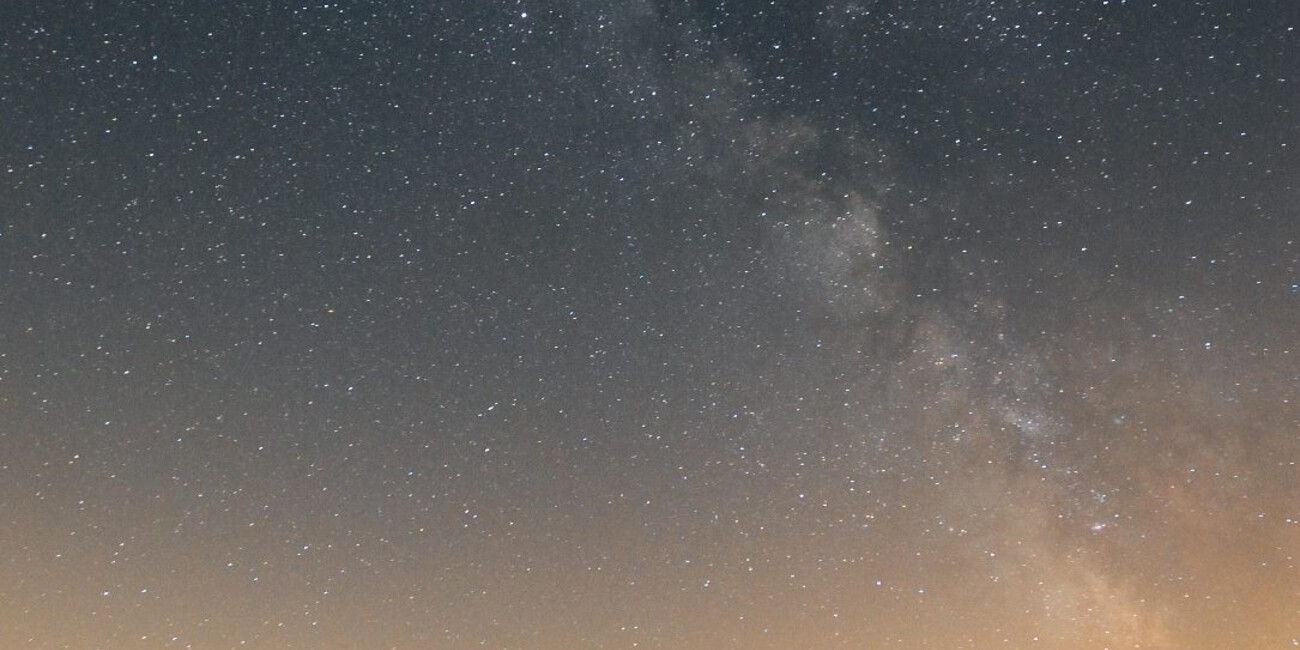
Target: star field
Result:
[650, 324]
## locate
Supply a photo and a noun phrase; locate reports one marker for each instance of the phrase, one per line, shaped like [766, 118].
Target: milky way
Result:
[650, 325]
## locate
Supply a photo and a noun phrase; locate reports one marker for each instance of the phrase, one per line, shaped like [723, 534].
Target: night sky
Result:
[649, 324]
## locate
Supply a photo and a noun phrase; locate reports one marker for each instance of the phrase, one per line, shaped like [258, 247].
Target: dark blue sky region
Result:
[639, 324]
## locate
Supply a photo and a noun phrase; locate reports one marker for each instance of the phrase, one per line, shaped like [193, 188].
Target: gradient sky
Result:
[650, 324]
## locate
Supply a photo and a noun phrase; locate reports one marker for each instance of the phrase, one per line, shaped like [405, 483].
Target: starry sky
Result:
[650, 324]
